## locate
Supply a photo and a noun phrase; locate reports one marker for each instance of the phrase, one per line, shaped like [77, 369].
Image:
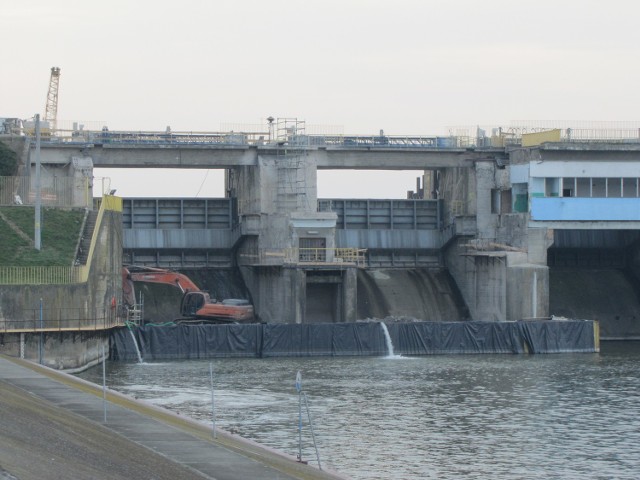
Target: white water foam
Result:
[133, 337]
[387, 337]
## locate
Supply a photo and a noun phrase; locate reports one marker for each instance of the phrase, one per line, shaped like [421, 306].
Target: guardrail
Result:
[54, 191]
[333, 256]
[54, 275]
[511, 136]
[60, 320]
[309, 256]
[106, 137]
[457, 137]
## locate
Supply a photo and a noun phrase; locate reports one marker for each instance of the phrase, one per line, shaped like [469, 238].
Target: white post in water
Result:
[213, 404]
[299, 389]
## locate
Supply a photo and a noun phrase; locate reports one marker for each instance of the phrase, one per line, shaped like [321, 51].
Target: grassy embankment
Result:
[59, 235]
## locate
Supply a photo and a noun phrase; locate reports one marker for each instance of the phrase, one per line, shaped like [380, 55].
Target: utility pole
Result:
[38, 192]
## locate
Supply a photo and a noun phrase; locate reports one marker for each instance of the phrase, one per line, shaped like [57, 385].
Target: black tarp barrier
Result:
[353, 339]
[323, 339]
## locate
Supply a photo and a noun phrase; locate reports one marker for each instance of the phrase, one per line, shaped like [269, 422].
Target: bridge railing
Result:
[253, 138]
[456, 136]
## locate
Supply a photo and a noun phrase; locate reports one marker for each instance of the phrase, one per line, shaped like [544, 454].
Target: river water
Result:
[563, 416]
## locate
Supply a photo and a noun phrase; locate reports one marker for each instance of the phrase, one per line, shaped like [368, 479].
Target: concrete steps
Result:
[82, 254]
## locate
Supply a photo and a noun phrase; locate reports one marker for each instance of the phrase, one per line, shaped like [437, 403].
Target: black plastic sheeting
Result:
[352, 339]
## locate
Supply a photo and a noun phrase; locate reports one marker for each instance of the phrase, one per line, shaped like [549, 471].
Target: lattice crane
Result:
[51, 109]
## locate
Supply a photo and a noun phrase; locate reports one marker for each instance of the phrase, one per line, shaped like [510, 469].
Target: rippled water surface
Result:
[445, 417]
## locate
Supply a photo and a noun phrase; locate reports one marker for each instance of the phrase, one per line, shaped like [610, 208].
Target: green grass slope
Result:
[59, 234]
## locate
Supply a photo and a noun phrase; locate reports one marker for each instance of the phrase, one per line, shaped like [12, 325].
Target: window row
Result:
[592, 187]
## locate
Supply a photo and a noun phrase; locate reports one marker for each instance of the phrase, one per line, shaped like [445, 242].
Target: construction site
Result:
[506, 224]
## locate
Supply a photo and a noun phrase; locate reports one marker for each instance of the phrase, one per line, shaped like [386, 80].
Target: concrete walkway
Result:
[52, 426]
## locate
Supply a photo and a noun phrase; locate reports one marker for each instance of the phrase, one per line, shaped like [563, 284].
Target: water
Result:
[133, 337]
[439, 417]
[387, 338]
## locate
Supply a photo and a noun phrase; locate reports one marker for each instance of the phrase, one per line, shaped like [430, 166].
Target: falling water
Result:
[387, 337]
[133, 337]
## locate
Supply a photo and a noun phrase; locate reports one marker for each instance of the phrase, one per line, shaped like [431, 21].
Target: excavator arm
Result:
[158, 275]
[196, 305]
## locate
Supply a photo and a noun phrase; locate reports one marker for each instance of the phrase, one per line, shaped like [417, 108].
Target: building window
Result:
[313, 249]
[583, 187]
[569, 187]
[551, 187]
[599, 187]
[629, 187]
[614, 187]
[501, 201]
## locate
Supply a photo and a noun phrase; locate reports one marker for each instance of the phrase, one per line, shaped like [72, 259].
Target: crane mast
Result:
[51, 109]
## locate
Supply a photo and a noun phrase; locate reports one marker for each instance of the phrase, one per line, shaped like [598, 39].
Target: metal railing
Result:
[54, 191]
[60, 320]
[333, 256]
[301, 256]
[313, 136]
[38, 275]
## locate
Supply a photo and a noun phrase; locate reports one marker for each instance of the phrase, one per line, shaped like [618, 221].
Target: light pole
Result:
[37, 242]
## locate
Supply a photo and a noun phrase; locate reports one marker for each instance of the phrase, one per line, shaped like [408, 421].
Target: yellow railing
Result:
[39, 275]
[355, 256]
[60, 275]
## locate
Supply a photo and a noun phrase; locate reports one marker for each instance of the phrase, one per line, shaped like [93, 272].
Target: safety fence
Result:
[456, 139]
[308, 256]
[60, 320]
[54, 191]
[356, 256]
[52, 275]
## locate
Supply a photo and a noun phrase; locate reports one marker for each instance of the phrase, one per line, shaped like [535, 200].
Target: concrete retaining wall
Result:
[85, 306]
[71, 351]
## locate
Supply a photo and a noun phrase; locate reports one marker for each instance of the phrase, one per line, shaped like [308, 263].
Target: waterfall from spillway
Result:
[387, 338]
[133, 337]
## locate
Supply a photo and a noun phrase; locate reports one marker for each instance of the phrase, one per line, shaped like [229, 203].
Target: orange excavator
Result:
[196, 306]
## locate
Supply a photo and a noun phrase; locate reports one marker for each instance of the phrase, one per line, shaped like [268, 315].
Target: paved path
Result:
[52, 426]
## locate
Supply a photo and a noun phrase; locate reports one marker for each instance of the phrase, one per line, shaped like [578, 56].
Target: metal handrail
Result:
[297, 255]
[59, 320]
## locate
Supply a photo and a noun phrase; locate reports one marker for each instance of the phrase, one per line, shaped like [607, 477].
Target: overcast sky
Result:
[405, 66]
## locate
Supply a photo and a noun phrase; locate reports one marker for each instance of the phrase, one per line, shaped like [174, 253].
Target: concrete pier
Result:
[52, 426]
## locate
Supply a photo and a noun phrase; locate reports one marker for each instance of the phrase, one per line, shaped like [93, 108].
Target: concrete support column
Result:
[297, 294]
[527, 292]
[350, 295]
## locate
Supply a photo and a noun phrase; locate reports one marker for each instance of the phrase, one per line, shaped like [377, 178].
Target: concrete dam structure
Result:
[486, 236]
[399, 293]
